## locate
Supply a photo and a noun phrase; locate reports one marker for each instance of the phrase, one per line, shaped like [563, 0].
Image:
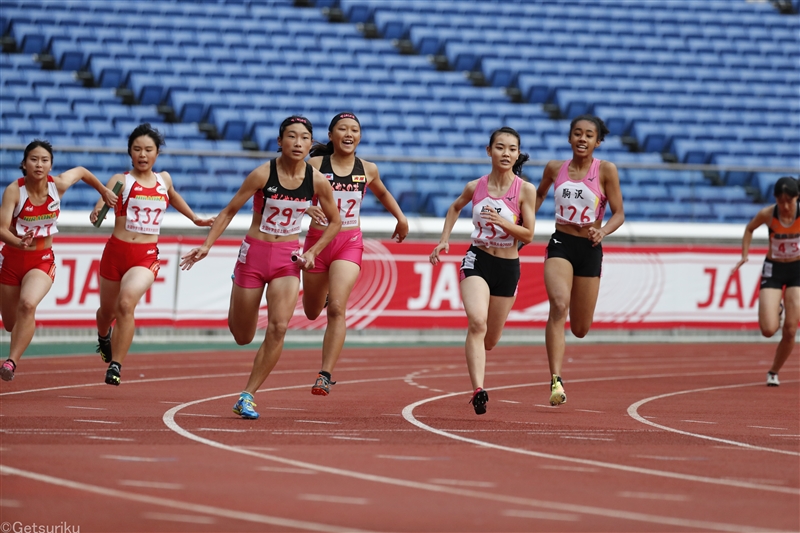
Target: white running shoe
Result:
[772, 380]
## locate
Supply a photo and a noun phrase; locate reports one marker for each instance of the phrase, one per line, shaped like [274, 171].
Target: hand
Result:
[93, 215]
[492, 217]
[306, 261]
[26, 240]
[441, 247]
[596, 235]
[109, 197]
[742, 261]
[203, 222]
[195, 255]
[317, 215]
[400, 230]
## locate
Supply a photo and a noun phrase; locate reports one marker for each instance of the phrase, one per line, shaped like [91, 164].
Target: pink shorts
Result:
[120, 256]
[346, 246]
[260, 262]
[15, 263]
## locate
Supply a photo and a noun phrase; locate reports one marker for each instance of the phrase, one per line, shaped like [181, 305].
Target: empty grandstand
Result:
[702, 97]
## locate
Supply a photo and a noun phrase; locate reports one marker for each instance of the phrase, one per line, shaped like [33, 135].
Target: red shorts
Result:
[120, 256]
[346, 246]
[260, 262]
[15, 263]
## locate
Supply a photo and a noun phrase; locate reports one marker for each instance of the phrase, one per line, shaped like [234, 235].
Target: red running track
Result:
[675, 437]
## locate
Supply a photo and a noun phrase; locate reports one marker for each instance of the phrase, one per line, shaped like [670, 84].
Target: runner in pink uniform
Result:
[503, 215]
[282, 190]
[28, 221]
[584, 186]
[331, 280]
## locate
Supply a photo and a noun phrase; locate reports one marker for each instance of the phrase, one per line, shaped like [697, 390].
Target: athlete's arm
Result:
[386, 199]
[180, 205]
[609, 179]
[252, 183]
[324, 193]
[450, 220]
[548, 178]
[762, 217]
[10, 199]
[67, 179]
[116, 178]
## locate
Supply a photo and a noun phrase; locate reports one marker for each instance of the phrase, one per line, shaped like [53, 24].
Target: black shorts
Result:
[586, 260]
[776, 275]
[502, 275]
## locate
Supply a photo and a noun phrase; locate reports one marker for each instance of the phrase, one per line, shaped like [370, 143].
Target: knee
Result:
[489, 343]
[477, 325]
[336, 310]
[8, 325]
[124, 307]
[768, 330]
[277, 329]
[789, 330]
[312, 314]
[25, 308]
[559, 309]
[242, 338]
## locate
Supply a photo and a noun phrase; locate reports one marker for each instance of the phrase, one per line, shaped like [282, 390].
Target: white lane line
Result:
[589, 411]
[117, 439]
[341, 437]
[169, 421]
[585, 438]
[201, 414]
[504, 401]
[633, 412]
[160, 501]
[317, 422]
[90, 408]
[170, 403]
[654, 496]
[132, 459]
[539, 515]
[10, 503]
[698, 422]
[463, 483]
[264, 448]
[222, 430]
[333, 499]
[569, 468]
[286, 408]
[409, 410]
[767, 427]
[183, 518]
[78, 397]
[150, 484]
[97, 421]
[286, 470]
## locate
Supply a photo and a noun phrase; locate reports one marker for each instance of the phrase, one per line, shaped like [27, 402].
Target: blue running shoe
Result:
[244, 406]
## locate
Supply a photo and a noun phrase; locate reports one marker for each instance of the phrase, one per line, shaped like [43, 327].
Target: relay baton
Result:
[103, 210]
[297, 258]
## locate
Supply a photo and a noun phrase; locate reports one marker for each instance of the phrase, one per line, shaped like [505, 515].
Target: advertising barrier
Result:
[654, 286]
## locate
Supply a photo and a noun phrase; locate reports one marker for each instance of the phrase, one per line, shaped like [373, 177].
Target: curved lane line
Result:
[633, 412]
[169, 420]
[175, 504]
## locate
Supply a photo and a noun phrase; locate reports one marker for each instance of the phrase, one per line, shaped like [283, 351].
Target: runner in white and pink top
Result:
[503, 211]
[584, 186]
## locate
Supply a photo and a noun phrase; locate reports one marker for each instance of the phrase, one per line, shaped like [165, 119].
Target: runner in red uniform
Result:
[28, 221]
[129, 264]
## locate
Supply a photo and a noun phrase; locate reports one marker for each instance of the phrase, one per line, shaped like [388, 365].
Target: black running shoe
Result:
[104, 347]
[479, 399]
[112, 374]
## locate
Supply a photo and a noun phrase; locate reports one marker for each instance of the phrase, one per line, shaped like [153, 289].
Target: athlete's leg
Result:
[343, 276]
[9, 301]
[35, 285]
[769, 305]
[499, 307]
[583, 301]
[281, 302]
[791, 302]
[558, 282]
[476, 298]
[243, 313]
[315, 290]
[106, 313]
[132, 287]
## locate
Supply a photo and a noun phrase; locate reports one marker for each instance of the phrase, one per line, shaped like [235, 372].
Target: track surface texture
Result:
[654, 437]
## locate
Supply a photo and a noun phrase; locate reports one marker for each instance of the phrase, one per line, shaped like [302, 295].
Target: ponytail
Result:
[321, 149]
[521, 160]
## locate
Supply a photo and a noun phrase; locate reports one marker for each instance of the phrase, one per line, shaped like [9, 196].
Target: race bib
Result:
[282, 217]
